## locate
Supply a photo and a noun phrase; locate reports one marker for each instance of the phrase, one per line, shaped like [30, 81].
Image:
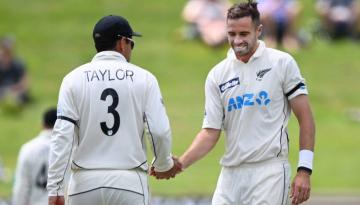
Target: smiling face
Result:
[243, 37]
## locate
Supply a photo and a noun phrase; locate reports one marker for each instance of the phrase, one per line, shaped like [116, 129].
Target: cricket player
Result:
[103, 109]
[32, 165]
[249, 95]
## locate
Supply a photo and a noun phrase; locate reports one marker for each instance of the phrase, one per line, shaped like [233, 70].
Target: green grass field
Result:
[53, 37]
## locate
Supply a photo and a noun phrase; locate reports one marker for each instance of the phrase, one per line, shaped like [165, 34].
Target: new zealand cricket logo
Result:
[261, 73]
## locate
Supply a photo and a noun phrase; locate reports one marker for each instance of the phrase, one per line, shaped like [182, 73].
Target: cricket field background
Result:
[53, 37]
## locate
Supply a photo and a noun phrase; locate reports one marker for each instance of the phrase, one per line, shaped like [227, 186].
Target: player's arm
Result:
[159, 130]
[61, 142]
[301, 107]
[300, 191]
[203, 143]
[206, 139]
[59, 157]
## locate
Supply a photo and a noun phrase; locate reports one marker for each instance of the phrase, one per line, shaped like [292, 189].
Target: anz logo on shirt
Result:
[248, 99]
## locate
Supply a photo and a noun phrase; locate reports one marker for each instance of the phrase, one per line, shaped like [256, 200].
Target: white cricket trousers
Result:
[108, 187]
[108, 196]
[262, 183]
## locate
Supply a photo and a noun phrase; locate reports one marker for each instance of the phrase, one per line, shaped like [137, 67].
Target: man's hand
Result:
[56, 200]
[300, 188]
[177, 168]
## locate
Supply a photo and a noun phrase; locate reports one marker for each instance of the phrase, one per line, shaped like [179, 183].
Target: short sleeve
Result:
[214, 112]
[294, 83]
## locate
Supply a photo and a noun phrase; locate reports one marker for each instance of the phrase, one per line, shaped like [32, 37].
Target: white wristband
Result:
[306, 159]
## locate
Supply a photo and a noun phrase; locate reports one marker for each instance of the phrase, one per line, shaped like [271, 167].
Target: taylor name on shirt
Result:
[108, 74]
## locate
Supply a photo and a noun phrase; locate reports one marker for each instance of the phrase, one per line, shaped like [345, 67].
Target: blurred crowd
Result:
[336, 19]
[13, 74]
[339, 18]
[206, 19]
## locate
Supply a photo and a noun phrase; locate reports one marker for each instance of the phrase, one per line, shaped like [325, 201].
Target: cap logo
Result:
[97, 35]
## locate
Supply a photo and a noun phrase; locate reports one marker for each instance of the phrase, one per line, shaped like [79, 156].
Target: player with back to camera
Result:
[32, 165]
[103, 109]
[249, 95]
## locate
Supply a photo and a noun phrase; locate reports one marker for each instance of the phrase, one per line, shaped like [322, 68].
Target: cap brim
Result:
[136, 34]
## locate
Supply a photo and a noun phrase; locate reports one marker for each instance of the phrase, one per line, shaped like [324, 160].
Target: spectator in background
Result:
[206, 19]
[2, 171]
[32, 165]
[339, 18]
[279, 18]
[13, 77]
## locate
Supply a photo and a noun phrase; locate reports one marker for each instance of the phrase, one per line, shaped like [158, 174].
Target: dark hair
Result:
[243, 10]
[106, 46]
[49, 118]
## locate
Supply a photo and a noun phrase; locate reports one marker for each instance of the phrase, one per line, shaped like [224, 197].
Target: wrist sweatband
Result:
[306, 160]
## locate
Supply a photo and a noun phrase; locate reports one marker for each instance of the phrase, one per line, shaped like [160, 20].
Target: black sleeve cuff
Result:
[294, 89]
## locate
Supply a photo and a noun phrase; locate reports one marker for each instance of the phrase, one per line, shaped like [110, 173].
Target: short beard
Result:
[241, 51]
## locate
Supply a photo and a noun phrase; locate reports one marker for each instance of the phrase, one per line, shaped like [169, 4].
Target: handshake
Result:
[171, 173]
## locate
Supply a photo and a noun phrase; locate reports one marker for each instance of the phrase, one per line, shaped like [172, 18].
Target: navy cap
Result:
[112, 27]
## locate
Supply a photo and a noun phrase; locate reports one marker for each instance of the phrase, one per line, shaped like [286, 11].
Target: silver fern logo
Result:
[261, 73]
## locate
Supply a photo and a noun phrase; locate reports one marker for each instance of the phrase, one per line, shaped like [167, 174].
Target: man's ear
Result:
[119, 46]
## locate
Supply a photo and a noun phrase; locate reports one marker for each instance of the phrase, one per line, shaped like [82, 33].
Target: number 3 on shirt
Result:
[111, 109]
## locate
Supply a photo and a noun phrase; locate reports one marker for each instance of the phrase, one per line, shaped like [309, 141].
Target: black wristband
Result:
[304, 169]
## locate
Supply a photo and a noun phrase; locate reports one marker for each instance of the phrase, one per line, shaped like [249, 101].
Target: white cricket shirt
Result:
[250, 102]
[31, 171]
[103, 109]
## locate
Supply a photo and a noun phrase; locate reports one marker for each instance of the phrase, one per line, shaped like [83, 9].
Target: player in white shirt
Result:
[32, 165]
[249, 95]
[103, 109]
